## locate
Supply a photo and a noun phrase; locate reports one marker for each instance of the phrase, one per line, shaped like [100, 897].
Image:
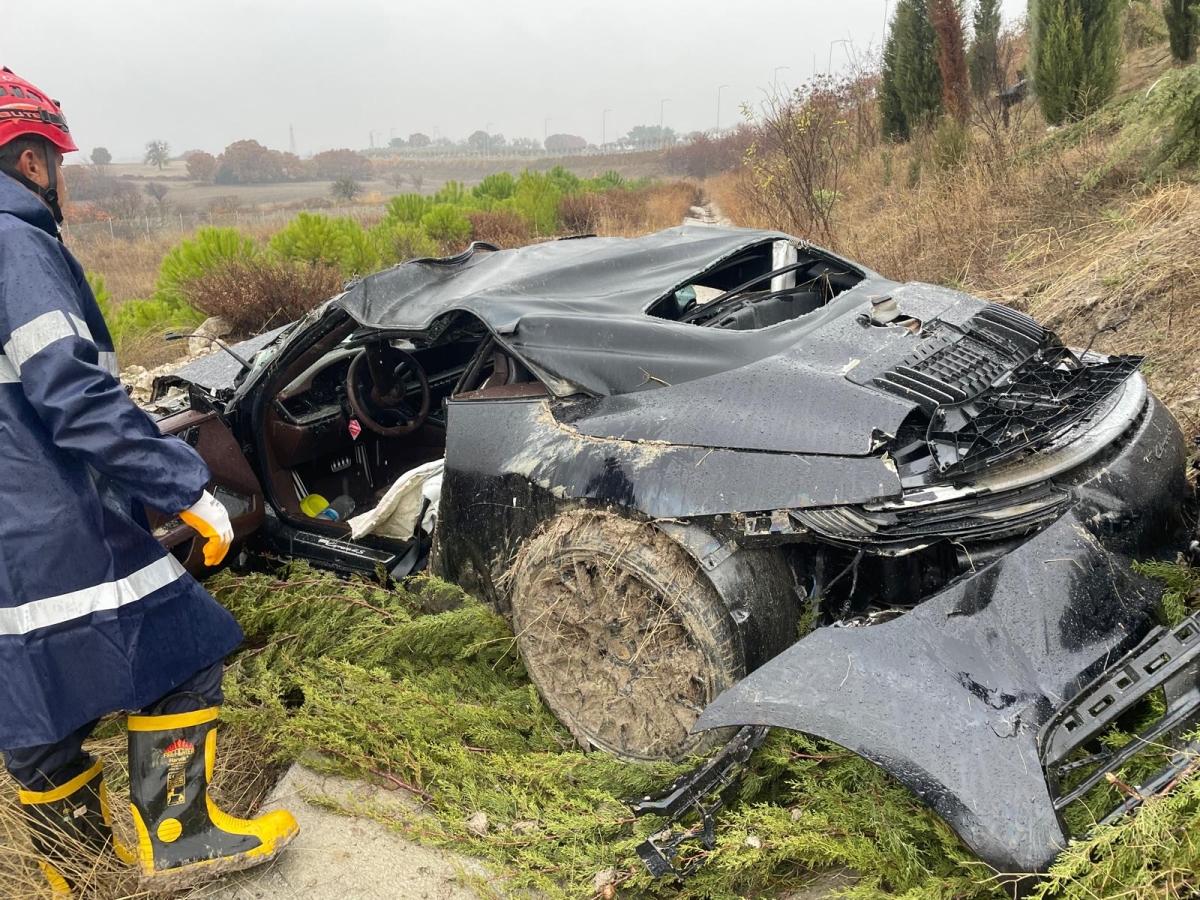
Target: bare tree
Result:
[798, 157]
[157, 191]
[346, 188]
[417, 180]
[1004, 103]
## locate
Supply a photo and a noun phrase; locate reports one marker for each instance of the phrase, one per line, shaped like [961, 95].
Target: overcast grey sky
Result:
[202, 74]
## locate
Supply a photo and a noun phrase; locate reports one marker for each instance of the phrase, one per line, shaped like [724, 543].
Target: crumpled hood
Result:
[818, 395]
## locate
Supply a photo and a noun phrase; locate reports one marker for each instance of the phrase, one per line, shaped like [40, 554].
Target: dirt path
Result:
[342, 857]
[708, 214]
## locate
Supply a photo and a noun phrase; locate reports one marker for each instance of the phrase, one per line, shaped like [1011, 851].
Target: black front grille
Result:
[1043, 398]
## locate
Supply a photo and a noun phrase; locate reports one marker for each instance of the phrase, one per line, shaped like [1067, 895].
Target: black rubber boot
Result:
[70, 827]
[183, 839]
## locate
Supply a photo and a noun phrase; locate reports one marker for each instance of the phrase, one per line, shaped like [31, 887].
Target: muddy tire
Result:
[625, 638]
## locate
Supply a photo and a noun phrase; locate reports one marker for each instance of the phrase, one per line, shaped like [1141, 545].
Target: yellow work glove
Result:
[209, 518]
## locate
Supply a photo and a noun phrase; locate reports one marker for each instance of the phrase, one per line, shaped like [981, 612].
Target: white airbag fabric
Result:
[399, 512]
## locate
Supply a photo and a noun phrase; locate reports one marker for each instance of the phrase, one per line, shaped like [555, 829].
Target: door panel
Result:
[233, 483]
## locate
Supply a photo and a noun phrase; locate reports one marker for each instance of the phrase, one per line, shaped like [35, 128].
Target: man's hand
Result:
[209, 518]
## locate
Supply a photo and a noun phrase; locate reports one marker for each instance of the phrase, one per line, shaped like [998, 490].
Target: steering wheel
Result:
[378, 391]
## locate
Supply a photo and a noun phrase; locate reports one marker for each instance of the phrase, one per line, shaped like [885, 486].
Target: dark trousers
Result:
[49, 765]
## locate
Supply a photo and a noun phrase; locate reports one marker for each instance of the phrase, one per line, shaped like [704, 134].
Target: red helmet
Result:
[27, 110]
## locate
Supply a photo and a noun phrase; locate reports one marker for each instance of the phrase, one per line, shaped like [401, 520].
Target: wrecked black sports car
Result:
[720, 477]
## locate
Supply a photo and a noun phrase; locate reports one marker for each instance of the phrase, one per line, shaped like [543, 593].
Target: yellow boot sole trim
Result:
[144, 856]
[270, 829]
[59, 886]
[170, 723]
[124, 854]
[33, 798]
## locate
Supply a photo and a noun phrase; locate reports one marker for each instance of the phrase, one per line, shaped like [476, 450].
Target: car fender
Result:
[949, 698]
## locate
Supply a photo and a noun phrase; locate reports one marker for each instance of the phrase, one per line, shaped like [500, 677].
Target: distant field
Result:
[434, 173]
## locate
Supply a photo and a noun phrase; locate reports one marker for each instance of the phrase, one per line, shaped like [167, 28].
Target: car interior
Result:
[762, 286]
[358, 408]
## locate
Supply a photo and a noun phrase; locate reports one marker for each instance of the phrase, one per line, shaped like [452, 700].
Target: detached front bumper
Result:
[976, 698]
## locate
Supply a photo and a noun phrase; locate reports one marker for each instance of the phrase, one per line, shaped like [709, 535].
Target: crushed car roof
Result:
[575, 308]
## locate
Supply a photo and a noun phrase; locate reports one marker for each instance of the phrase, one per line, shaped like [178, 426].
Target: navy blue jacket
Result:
[95, 616]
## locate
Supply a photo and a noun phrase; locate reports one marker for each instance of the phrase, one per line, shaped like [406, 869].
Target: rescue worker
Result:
[95, 616]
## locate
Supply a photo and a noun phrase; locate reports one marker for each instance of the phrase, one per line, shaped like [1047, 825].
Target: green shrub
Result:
[566, 182]
[312, 237]
[399, 242]
[1174, 105]
[101, 293]
[192, 257]
[609, 181]
[446, 224]
[951, 144]
[453, 192]
[134, 320]
[340, 243]
[361, 255]
[536, 201]
[408, 208]
[497, 186]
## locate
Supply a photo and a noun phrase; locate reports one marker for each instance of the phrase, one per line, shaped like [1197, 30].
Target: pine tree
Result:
[1075, 55]
[951, 57]
[891, 110]
[912, 82]
[985, 50]
[1183, 26]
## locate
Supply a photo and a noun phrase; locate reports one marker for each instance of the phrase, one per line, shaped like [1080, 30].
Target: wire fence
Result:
[151, 226]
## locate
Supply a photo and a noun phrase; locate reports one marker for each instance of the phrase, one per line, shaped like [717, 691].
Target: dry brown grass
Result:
[242, 780]
[130, 267]
[630, 213]
[1135, 271]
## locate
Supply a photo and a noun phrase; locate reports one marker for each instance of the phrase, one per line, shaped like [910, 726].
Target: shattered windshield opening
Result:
[766, 285]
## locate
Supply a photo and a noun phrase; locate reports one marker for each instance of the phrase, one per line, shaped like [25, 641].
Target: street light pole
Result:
[775, 79]
[829, 67]
[721, 88]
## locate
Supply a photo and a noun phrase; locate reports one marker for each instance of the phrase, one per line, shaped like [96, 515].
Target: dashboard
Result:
[318, 394]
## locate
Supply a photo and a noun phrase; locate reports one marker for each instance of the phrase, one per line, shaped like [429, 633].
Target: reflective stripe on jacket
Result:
[95, 616]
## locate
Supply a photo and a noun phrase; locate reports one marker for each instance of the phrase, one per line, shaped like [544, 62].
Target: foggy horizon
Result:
[129, 71]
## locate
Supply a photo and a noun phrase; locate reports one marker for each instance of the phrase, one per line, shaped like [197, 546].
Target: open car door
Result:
[233, 484]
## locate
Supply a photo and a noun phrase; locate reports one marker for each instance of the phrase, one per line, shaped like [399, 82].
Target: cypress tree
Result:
[912, 82]
[947, 24]
[1183, 25]
[891, 110]
[985, 50]
[1075, 54]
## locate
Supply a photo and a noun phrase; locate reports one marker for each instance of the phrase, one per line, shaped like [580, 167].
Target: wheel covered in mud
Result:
[625, 638]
